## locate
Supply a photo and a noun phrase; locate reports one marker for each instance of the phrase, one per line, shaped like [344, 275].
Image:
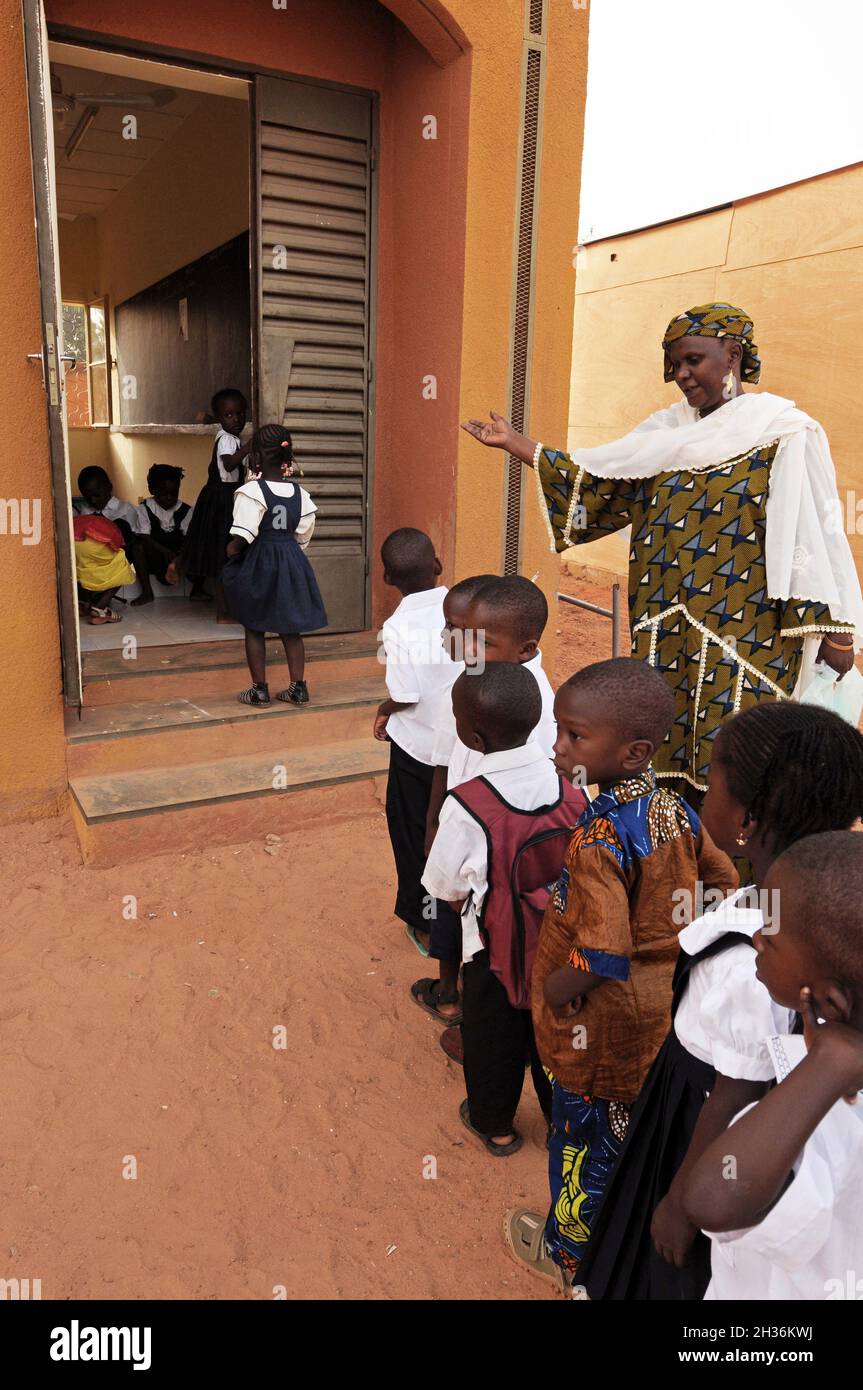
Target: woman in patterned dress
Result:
[740, 573]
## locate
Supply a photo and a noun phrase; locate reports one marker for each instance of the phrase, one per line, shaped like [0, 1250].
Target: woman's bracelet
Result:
[840, 646]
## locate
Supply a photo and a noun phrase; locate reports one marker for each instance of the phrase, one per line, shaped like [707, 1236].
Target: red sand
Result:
[256, 1167]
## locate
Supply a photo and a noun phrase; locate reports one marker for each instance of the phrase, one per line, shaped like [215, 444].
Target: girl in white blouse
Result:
[779, 772]
[268, 581]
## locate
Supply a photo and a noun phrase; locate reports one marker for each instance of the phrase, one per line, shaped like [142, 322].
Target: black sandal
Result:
[255, 695]
[428, 997]
[496, 1150]
[297, 693]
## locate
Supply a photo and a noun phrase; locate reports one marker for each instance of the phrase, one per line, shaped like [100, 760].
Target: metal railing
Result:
[613, 613]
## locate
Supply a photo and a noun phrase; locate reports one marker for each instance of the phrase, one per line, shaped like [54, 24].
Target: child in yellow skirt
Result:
[101, 567]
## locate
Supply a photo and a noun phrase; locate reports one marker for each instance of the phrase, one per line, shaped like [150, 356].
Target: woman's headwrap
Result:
[715, 321]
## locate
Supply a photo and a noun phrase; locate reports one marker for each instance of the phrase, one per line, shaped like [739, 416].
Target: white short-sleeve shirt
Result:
[810, 1244]
[113, 510]
[457, 866]
[226, 445]
[250, 506]
[166, 518]
[461, 762]
[420, 673]
[726, 1013]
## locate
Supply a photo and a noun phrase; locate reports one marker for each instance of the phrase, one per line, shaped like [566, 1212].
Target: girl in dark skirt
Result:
[269, 584]
[204, 551]
[779, 772]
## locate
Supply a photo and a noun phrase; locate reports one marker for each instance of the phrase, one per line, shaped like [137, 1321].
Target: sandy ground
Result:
[151, 1040]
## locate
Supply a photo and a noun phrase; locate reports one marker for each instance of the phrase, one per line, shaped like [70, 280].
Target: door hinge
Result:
[367, 566]
[373, 159]
[370, 370]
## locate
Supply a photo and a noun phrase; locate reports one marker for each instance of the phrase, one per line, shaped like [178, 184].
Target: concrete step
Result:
[193, 669]
[124, 816]
[168, 732]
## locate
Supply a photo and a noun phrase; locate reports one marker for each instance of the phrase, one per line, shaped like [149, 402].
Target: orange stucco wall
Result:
[446, 224]
[32, 755]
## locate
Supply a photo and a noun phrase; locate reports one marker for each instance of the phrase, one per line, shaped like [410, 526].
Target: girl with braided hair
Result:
[780, 772]
[268, 581]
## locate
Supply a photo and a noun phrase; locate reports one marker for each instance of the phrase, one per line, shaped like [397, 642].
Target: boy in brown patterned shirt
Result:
[606, 954]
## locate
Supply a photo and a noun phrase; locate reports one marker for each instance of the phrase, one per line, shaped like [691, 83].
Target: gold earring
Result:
[729, 386]
[741, 838]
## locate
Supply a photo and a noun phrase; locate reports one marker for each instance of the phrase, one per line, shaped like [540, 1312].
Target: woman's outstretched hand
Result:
[496, 435]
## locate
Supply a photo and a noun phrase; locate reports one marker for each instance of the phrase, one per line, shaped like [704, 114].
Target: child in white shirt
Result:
[781, 1191]
[419, 673]
[205, 550]
[488, 619]
[496, 711]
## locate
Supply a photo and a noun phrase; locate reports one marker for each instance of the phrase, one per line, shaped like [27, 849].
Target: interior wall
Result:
[191, 196]
[788, 258]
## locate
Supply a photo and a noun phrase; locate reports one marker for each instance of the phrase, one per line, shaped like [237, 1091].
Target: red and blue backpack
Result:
[526, 850]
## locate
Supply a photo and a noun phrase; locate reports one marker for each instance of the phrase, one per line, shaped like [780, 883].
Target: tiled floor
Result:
[164, 622]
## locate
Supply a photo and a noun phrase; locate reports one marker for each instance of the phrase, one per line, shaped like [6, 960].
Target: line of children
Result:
[639, 1114]
[780, 772]
[786, 1221]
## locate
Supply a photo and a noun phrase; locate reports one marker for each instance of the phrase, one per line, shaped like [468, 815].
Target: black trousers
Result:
[498, 1044]
[408, 793]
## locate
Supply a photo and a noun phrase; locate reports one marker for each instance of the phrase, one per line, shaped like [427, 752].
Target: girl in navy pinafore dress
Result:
[269, 584]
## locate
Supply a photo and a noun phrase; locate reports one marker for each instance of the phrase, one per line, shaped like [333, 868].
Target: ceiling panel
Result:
[104, 161]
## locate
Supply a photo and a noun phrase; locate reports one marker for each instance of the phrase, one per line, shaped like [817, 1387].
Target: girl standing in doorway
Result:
[269, 584]
[203, 554]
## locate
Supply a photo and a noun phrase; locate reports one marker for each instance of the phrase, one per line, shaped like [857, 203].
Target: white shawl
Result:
[807, 555]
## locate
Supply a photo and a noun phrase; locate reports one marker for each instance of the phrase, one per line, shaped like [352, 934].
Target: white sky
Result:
[694, 103]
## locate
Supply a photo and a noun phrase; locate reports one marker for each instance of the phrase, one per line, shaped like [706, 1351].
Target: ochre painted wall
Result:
[32, 751]
[497, 29]
[791, 258]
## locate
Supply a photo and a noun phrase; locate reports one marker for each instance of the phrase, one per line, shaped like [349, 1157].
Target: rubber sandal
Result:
[451, 1043]
[524, 1238]
[423, 992]
[496, 1150]
[410, 933]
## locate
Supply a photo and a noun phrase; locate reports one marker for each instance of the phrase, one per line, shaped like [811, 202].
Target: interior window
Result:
[76, 377]
[97, 361]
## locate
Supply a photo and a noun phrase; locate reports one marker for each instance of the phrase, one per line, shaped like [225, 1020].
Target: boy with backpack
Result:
[500, 842]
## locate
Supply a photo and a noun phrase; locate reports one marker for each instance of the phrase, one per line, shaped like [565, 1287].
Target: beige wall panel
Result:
[808, 329]
[822, 214]
[617, 359]
[673, 249]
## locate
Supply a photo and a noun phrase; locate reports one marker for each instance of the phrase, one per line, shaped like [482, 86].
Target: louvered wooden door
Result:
[314, 194]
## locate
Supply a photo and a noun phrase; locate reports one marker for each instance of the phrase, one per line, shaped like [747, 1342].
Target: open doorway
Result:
[173, 299]
[152, 167]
